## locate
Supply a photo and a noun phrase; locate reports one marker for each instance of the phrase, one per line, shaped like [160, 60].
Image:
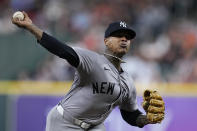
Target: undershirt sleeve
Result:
[131, 117]
[60, 49]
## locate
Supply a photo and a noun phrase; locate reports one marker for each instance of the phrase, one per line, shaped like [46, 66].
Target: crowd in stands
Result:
[165, 49]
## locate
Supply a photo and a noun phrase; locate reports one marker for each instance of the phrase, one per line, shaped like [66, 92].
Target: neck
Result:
[114, 59]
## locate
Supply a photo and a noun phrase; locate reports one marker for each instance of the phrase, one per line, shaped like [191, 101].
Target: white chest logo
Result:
[123, 24]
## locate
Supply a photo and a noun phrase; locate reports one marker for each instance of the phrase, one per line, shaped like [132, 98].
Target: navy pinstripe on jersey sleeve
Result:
[60, 49]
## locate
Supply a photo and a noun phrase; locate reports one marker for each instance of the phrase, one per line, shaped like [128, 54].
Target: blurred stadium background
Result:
[163, 57]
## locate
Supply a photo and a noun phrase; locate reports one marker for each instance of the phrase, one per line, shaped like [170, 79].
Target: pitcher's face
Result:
[118, 43]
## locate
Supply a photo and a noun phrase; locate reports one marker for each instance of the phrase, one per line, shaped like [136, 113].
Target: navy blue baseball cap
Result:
[119, 26]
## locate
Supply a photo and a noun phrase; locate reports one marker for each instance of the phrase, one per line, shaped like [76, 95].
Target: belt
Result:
[78, 122]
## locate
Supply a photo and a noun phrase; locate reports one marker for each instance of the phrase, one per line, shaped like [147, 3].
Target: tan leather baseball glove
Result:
[154, 106]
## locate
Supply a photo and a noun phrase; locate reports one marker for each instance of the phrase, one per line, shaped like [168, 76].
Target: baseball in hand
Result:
[18, 15]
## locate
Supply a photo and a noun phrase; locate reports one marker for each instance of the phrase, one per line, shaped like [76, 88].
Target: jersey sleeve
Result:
[87, 59]
[130, 103]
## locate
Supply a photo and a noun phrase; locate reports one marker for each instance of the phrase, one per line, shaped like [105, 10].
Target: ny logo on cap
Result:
[123, 24]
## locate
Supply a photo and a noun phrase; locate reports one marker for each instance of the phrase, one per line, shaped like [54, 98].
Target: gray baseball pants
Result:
[56, 122]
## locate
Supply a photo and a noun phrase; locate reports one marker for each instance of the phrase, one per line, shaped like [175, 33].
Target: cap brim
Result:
[126, 30]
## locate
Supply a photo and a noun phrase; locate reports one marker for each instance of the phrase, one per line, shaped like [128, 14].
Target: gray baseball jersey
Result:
[98, 88]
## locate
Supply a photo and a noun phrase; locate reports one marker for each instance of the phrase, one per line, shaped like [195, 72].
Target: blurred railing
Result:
[61, 88]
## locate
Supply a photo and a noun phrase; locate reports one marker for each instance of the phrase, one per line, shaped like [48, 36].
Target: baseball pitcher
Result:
[100, 84]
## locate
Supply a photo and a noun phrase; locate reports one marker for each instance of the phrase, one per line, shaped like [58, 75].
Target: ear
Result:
[106, 41]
